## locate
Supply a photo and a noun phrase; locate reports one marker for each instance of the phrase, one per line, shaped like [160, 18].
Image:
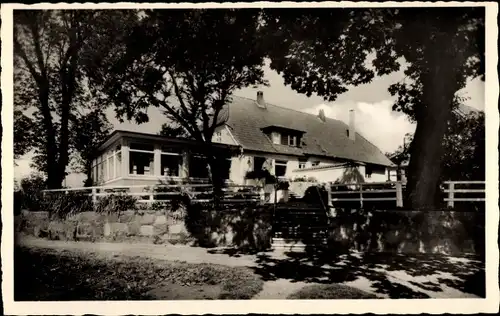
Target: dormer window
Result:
[284, 136]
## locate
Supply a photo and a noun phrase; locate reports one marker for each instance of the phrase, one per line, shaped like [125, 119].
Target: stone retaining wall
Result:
[241, 227]
[445, 232]
[154, 226]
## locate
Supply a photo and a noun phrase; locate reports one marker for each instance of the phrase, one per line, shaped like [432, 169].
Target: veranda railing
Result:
[232, 193]
[392, 191]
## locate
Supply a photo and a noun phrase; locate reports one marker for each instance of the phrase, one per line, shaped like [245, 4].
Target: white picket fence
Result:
[367, 192]
[233, 193]
[153, 193]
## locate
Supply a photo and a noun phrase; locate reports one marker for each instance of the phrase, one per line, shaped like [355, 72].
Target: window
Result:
[315, 163]
[374, 169]
[258, 162]
[118, 166]
[280, 168]
[198, 167]
[368, 171]
[171, 161]
[289, 140]
[141, 159]
[276, 138]
[218, 137]
[302, 164]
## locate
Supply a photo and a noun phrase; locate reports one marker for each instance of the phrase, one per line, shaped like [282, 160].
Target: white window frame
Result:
[292, 140]
[130, 150]
[282, 163]
[302, 164]
[168, 153]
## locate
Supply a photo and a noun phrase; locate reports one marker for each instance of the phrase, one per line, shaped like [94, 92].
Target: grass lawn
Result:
[329, 291]
[49, 275]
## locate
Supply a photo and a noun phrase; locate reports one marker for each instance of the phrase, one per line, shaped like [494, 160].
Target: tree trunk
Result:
[50, 140]
[426, 151]
[88, 173]
[216, 174]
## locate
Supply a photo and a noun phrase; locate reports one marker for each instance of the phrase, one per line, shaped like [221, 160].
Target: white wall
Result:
[223, 135]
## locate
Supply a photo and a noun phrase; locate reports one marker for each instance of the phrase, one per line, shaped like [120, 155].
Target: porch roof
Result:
[119, 134]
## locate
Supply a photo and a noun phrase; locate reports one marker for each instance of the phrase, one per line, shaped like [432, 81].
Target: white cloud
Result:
[375, 121]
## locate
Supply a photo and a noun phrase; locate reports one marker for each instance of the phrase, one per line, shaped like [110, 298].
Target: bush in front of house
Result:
[243, 226]
[30, 196]
[116, 203]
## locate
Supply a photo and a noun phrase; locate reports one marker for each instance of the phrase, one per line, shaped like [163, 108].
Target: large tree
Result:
[325, 51]
[51, 51]
[91, 130]
[464, 148]
[187, 63]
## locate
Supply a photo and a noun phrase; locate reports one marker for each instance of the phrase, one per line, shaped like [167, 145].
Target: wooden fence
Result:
[393, 191]
[232, 193]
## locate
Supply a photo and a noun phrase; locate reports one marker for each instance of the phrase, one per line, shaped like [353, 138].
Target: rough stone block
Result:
[160, 229]
[112, 218]
[88, 217]
[147, 219]
[107, 229]
[160, 220]
[115, 229]
[134, 228]
[127, 216]
[177, 229]
[147, 230]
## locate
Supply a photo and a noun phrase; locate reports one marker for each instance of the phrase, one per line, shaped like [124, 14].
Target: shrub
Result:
[282, 185]
[116, 203]
[61, 204]
[305, 179]
[316, 194]
[30, 195]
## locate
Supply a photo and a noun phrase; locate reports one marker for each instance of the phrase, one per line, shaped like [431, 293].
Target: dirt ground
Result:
[384, 275]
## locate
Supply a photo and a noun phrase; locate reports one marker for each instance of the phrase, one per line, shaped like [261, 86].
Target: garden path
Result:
[387, 276]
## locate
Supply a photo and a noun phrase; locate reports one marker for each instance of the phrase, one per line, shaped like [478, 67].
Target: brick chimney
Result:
[321, 115]
[351, 132]
[260, 100]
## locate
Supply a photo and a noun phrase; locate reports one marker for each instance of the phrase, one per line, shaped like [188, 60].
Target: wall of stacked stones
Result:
[200, 225]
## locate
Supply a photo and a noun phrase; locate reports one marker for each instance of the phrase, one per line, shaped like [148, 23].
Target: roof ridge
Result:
[290, 109]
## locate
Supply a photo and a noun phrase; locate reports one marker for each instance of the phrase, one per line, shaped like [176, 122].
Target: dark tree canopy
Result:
[464, 148]
[324, 51]
[90, 131]
[51, 51]
[187, 63]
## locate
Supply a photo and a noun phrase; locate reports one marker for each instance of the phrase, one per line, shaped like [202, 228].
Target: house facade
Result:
[255, 136]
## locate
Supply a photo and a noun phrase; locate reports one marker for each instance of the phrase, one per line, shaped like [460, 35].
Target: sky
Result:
[371, 102]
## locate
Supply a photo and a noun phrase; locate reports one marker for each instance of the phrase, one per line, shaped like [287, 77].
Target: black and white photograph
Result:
[334, 153]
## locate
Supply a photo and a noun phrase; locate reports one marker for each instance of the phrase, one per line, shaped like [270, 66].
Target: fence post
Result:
[451, 194]
[94, 195]
[151, 193]
[329, 191]
[361, 195]
[399, 194]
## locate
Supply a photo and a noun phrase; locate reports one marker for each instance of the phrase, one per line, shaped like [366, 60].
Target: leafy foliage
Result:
[326, 51]
[90, 130]
[173, 63]
[173, 130]
[29, 196]
[52, 49]
[464, 148]
[116, 203]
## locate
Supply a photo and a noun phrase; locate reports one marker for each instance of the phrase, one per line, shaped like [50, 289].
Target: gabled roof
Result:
[329, 138]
